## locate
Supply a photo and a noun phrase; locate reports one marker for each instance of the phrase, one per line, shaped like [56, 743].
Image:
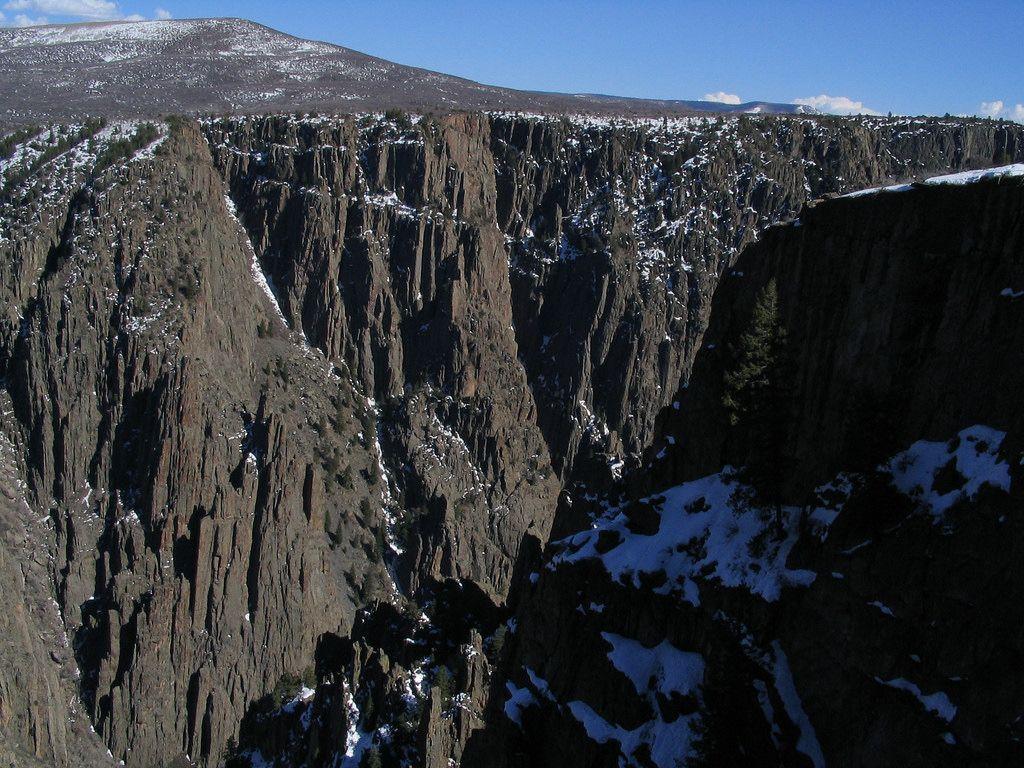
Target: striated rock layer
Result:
[879, 623]
[281, 394]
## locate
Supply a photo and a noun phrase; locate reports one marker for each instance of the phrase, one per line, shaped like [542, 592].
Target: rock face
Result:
[291, 407]
[634, 228]
[920, 326]
[615, 235]
[413, 293]
[176, 461]
[859, 632]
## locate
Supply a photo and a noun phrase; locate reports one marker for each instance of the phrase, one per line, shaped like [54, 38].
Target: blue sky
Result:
[907, 56]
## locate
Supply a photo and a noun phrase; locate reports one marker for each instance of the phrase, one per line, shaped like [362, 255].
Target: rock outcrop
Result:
[197, 542]
[291, 407]
[875, 626]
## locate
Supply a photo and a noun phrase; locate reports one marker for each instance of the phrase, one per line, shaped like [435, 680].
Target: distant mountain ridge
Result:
[140, 69]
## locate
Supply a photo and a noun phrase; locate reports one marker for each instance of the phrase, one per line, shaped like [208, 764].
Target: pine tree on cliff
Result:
[757, 399]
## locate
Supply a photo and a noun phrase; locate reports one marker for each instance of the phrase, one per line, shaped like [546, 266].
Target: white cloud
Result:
[23, 20]
[83, 10]
[836, 105]
[999, 108]
[91, 10]
[721, 97]
[991, 108]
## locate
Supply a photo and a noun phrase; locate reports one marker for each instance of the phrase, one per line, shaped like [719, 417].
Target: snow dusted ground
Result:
[194, 65]
[1016, 170]
[120, 40]
[663, 670]
[807, 743]
[709, 531]
[937, 703]
[149, 31]
[974, 455]
[972, 177]
[519, 699]
[54, 164]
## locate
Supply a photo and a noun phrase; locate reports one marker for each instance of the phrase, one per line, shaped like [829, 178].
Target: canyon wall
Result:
[278, 391]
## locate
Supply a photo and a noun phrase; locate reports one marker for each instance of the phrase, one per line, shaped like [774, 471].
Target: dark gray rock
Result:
[894, 646]
[268, 373]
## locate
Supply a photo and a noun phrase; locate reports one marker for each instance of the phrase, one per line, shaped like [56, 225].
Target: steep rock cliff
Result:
[263, 374]
[175, 458]
[615, 236]
[876, 624]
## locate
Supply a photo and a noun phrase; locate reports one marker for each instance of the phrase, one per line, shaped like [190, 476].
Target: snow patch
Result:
[882, 607]
[357, 741]
[807, 743]
[972, 177]
[258, 275]
[960, 179]
[707, 529]
[937, 703]
[672, 670]
[877, 190]
[667, 742]
[974, 455]
[519, 699]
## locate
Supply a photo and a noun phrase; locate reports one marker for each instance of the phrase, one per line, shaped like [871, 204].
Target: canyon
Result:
[400, 440]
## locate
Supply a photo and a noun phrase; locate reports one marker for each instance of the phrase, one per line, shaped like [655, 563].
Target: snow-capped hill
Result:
[86, 43]
[764, 107]
[61, 34]
[135, 69]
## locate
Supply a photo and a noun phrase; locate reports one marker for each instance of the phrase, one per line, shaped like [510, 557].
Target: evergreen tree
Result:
[371, 759]
[757, 399]
[443, 685]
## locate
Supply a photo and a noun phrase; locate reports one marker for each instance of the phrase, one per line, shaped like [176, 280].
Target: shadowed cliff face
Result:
[916, 330]
[877, 625]
[272, 386]
[614, 237]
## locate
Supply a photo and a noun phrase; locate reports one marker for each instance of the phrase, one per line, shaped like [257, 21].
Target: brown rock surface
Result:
[225, 437]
